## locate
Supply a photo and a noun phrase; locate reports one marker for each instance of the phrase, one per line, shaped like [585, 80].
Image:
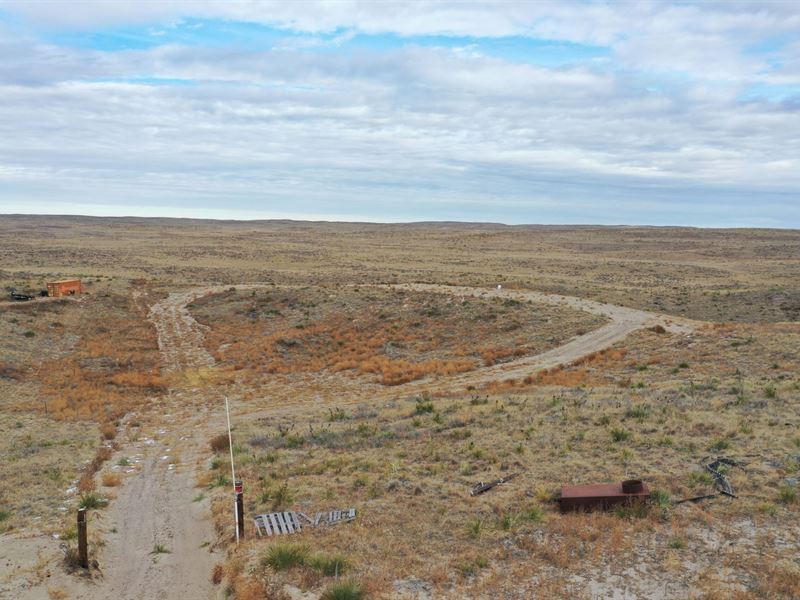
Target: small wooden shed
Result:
[65, 287]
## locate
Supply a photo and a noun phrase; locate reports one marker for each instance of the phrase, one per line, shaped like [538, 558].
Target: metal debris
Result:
[694, 499]
[481, 487]
[720, 481]
[602, 496]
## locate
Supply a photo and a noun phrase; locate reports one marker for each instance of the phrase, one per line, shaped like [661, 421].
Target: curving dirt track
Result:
[623, 322]
[180, 336]
[156, 506]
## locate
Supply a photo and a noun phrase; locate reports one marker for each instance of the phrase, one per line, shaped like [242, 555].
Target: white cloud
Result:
[414, 129]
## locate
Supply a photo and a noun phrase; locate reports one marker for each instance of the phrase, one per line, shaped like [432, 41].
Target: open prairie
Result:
[390, 368]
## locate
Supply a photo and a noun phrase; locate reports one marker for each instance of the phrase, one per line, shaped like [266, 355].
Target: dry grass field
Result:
[397, 336]
[104, 395]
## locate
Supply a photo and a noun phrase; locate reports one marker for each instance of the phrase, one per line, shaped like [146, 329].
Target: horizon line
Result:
[328, 221]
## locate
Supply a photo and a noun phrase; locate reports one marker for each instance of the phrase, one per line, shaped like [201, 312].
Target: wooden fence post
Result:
[83, 550]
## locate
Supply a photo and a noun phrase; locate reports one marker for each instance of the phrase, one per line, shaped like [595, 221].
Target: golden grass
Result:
[396, 336]
[111, 479]
[89, 362]
[114, 366]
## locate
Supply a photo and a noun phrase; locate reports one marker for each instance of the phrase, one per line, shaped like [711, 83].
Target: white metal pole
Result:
[233, 471]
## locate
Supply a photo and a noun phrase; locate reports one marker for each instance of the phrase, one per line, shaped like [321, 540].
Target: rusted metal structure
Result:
[602, 496]
[65, 287]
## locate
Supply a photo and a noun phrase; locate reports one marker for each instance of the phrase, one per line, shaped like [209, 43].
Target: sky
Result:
[650, 113]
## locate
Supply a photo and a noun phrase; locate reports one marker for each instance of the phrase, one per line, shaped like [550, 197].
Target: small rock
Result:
[415, 588]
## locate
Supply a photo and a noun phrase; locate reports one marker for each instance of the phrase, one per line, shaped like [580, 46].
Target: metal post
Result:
[236, 514]
[83, 550]
[240, 509]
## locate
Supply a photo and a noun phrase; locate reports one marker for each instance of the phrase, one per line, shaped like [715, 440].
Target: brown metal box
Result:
[601, 496]
[66, 287]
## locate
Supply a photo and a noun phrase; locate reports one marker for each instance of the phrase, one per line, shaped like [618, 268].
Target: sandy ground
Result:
[159, 505]
[180, 337]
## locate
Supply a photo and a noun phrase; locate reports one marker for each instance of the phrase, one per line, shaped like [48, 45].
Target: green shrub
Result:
[620, 435]
[628, 512]
[660, 498]
[534, 514]
[336, 414]
[719, 444]
[283, 557]
[220, 481]
[467, 568]
[768, 509]
[697, 478]
[90, 500]
[637, 412]
[329, 565]
[293, 441]
[788, 494]
[506, 522]
[474, 528]
[423, 406]
[345, 590]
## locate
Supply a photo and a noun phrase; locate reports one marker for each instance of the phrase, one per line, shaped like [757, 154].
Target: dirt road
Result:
[623, 322]
[159, 508]
[180, 337]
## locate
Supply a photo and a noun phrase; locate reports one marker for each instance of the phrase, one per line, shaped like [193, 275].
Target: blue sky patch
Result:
[254, 36]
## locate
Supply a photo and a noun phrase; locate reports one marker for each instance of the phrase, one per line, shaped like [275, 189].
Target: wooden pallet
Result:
[283, 523]
[277, 523]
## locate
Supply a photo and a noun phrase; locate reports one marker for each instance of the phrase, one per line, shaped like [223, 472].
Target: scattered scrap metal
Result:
[481, 487]
[720, 481]
[717, 470]
[283, 523]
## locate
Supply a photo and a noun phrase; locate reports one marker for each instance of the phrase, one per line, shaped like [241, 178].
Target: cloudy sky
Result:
[517, 112]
